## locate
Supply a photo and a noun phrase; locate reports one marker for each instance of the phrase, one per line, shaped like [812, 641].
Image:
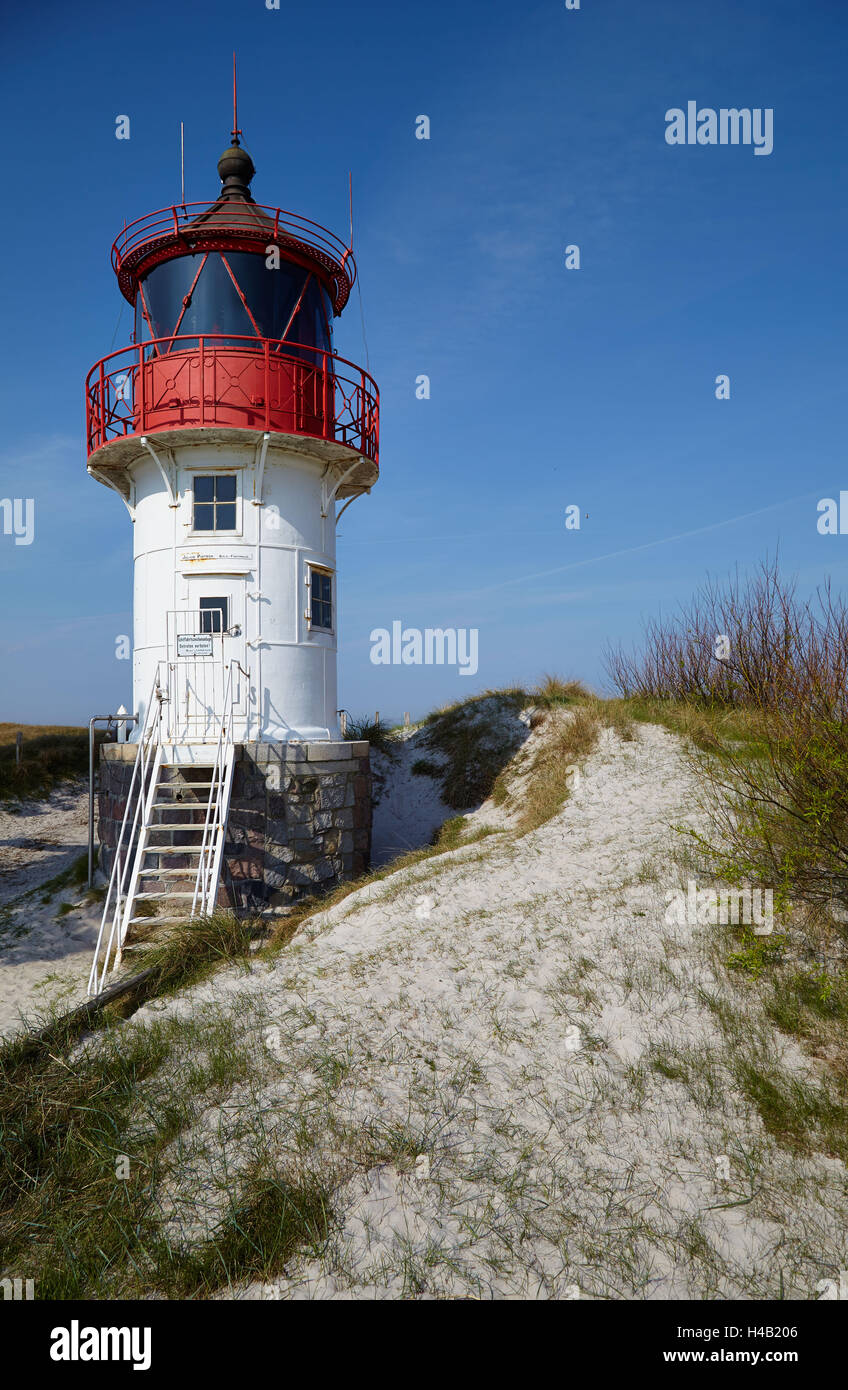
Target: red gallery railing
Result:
[187, 219]
[233, 381]
[194, 226]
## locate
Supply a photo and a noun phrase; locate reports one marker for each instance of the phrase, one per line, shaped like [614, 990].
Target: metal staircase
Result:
[170, 851]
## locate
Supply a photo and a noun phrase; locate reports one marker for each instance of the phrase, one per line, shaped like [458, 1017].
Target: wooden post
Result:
[343, 722]
[406, 719]
[377, 717]
[19, 747]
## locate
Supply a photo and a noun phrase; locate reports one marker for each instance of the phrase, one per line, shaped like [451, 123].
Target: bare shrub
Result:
[680, 658]
[781, 794]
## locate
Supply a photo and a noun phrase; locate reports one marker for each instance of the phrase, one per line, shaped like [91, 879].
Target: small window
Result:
[321, 599]
[214, 614]
[215, 503]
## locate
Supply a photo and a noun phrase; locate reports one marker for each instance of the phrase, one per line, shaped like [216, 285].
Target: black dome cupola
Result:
[235, 170]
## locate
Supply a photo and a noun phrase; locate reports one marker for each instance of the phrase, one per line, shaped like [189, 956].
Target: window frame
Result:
[215, 474]
[217, 605]
[331, 575]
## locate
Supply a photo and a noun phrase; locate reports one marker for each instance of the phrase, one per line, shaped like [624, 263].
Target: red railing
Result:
[230, 380]
[197, 222]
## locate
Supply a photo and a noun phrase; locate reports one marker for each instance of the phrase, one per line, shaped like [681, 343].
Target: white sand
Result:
[408, 807]
[464, 1050]
[43, 957]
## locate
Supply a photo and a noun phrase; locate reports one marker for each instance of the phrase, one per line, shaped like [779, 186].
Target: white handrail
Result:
[214, 828]
[149, 740]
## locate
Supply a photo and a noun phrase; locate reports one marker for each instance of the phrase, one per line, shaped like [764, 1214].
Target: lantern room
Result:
[221, 284]
[197, 275]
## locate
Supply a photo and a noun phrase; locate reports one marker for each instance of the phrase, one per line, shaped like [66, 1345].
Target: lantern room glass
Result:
[215, 305]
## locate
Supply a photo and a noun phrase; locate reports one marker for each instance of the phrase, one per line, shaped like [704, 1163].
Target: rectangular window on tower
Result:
[215, 502]
[320, 599]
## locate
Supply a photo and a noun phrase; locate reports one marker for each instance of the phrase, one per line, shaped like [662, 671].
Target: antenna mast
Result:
[235, 132]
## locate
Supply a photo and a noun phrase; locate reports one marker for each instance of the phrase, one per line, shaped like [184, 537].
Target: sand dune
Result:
[513, 1072]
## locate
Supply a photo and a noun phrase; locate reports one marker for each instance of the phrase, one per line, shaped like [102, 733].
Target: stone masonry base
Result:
[299, 822]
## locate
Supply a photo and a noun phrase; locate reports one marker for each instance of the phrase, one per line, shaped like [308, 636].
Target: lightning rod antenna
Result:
[236, 131]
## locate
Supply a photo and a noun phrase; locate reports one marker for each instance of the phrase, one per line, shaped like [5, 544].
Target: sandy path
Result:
[38, 839]
[408, 809]
[470, 1047]
[43, 957]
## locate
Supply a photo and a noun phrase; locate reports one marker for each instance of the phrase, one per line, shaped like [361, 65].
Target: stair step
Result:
[183, 781]
[179, 805]
[175, 824]
[168, 873]
[186, 784]
[188, 844]
[178, 825]
[183, 786]
[161, 898]
[173, 849]
[202, 798]
[202, 792]
[186, 767]
[160, 922]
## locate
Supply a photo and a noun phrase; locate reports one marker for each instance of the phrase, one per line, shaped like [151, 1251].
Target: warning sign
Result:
[194, 644]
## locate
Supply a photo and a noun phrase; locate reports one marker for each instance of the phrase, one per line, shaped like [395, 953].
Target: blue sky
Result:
[549, 387]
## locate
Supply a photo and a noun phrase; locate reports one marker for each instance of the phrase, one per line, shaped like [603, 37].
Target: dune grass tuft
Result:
[552, 771]
[84, 1137]
[197, 947]
[370, 731]
[51, 754]
[475, 740]
[553, 691]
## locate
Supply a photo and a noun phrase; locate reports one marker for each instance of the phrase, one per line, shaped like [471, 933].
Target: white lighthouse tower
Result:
[235, 435]
[232, 431]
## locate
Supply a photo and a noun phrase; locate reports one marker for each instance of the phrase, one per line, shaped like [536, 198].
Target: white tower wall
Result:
[262, 569]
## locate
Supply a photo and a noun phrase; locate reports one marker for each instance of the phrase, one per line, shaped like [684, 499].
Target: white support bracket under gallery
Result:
[363, 492]
[259, 465]
[128, 497]
[166, 473]
[328, 495]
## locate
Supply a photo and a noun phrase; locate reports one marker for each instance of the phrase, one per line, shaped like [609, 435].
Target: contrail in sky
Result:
[632, 549]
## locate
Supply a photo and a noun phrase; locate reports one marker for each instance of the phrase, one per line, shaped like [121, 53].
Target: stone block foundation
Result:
[299, 821]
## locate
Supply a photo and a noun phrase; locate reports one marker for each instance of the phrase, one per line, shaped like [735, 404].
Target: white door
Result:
[206, 647]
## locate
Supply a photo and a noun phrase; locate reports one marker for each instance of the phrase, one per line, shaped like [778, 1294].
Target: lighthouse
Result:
[235, 436]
